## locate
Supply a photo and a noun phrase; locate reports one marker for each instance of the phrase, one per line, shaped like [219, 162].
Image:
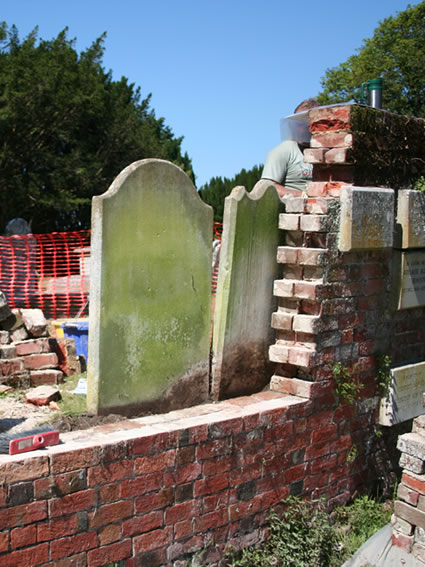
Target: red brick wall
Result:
[155, 490]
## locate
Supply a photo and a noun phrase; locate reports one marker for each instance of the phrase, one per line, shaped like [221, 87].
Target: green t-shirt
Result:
[285, 164]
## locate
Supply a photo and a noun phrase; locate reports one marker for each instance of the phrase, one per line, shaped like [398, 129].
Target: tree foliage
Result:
[216, 190]
[396, 53]
[67, 129]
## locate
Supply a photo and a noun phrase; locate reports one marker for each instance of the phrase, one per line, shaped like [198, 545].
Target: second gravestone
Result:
[150, 295]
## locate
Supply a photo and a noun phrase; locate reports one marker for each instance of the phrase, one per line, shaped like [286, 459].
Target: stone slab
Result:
[405, 398]
[367, 218]
[244, 301]
[409, 279]
[411, 218]
[150, 294]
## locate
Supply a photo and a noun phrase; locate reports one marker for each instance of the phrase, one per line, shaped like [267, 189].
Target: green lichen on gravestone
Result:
[151, 292]
[244, 304]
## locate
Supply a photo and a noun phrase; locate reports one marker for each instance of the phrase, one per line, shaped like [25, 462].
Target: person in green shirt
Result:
[285, 165]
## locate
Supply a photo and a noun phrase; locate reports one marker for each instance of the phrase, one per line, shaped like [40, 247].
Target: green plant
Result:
[356, 523]
[419, 185]
[301, 536]
[352, 454]
[383, 376]
[347, 386]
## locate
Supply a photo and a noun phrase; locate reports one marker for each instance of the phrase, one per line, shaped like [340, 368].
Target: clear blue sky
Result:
[222, 73]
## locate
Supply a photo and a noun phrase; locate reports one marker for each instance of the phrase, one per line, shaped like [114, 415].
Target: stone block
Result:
[244, 305]
[19, 334]
[410, 514]
[13, 322]
[405, 396]
[8, 351]
[150, 292]
[367, 219]
[35, 322]
[412, 444]
[411, 218]
[409, 279]
[412, 464]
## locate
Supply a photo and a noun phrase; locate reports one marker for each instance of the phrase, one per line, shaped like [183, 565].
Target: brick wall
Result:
[155, 490]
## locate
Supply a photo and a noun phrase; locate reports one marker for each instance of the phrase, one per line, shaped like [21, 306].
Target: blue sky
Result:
[221, 73]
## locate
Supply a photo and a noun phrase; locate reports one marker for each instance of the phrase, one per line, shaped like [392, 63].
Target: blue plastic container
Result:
[79, 331]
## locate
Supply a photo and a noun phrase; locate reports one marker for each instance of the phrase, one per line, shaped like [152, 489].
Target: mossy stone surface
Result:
[151, 292]
[245, 302]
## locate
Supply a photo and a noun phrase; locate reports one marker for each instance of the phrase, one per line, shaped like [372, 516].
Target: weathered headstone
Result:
[245, 303]
[367, 218]
[409, 280]
[405, 396]
[411, 218]
[150, 295]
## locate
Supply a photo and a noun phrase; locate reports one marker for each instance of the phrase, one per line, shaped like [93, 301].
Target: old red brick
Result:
[22, 515]
[74, 544]
[142, 524]
[109, 553]
[22, 537]
[141, 485]
[210, 485]
[36, 555]
[153, 463]
[59, 528]
[182, 511]
[72, 503]
[109, 533]
[109, 472]
[413, 481]
[154, 501]
[153, 540]
[110, 513]
[40, 361]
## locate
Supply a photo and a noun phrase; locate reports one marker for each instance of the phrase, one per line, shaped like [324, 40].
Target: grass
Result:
[72, 404]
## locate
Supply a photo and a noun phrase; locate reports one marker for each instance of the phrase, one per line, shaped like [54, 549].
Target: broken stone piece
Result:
[14, 321]
[42, 395]
[35, 322]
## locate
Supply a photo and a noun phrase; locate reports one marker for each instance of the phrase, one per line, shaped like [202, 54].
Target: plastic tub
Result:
[79, 331]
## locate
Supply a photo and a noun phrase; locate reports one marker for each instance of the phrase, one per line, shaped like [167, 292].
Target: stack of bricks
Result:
[409, 510]
[28, 355]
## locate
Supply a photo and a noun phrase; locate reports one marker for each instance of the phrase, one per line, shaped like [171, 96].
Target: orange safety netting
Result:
[47, 271]
[52, 272]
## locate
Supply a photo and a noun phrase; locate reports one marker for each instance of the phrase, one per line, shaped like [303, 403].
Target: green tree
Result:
[67, 129]
[216, 190]
[396, 53]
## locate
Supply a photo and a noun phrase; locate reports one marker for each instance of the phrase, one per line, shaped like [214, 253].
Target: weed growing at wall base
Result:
[305, 535]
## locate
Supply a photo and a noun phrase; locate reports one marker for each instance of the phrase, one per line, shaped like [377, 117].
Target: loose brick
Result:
[413, 464]
[282, 320]
[289, 221]
[50, 376]
[408, 495]
[11, 366]
[403, 541]
[32, 346]
[315, 155]
[40, 361]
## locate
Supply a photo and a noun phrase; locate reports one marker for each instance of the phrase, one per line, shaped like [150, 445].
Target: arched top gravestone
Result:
[150, 294]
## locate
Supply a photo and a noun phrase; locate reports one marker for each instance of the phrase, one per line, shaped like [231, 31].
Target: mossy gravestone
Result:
[245, 303]
[150, 295]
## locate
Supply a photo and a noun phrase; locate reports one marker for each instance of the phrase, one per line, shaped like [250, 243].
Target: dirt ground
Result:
[17, 416]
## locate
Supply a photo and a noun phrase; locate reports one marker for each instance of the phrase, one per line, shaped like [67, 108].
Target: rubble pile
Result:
[29, 355]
